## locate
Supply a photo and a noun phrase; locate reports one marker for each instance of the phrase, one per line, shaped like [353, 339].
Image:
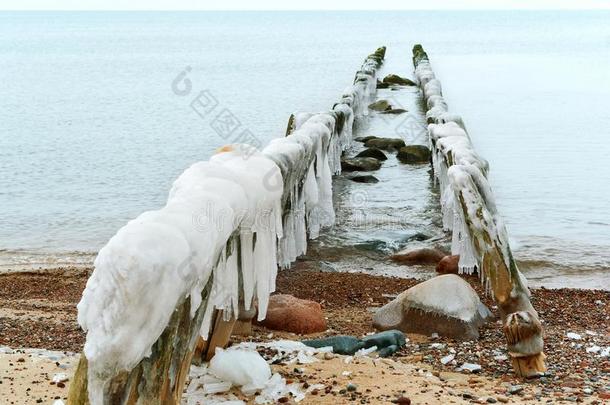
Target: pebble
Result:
[502, 399]
[515, 389]
[491, 400]
[351, 387]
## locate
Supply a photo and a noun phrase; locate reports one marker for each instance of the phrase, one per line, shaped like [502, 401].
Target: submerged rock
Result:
[419, 256]
[414, 154]
[446, 304]
[419, 236]
[364, 139]
[341, 344]
[380, 105]
[385, 143]
[394, 111]
[395, 79]
[382, 85]
[374, 245]
[374, 153]
[364, 179]
[291, 314]
[448, 265]
[360, 164]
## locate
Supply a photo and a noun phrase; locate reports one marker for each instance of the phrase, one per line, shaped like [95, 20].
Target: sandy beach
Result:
[39, 311]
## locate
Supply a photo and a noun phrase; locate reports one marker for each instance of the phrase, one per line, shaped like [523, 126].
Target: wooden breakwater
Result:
[171, 284]
[478, 233]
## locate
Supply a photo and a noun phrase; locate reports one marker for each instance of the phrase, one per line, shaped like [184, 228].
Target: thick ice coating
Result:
[226, 225]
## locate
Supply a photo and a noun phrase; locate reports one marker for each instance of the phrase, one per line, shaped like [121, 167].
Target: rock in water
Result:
[361, 164]
[374, 153]
[380, 105]
[385, 143]
[364, 179]
[414, 154]
[364, 139]
[448, 265]
[445, 304]
[395, 79]
[418, 256]
[382, 85]
[394, 111]
[341, 344]
[291, 314]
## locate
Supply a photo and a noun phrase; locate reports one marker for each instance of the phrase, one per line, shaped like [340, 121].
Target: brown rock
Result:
[446, 304]
[395, 79]
[291, 314]
[418, 256]
[385, 143]
[448, 265]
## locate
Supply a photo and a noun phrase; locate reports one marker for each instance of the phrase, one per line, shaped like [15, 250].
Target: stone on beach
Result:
[418, 256]
[291, 314]
[395, 79]
[341, 344]
[385, 143]
[361, 164]
[448, 265]
[364, 179]
[414, 154]
[374, 153]
[446, 304]
[385, 339]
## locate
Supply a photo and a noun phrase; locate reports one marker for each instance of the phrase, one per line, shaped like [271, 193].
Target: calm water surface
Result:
[91, 133]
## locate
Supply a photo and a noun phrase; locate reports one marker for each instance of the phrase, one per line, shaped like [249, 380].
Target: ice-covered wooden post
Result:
[479, 235]
[216, 245]
[157, 379]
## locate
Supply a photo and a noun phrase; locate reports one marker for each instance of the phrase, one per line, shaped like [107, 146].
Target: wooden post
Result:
[221, 333]
[157, 379]
[521, 325]
[474, 203]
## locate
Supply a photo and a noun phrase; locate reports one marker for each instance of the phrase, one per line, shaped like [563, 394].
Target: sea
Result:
[96, 116]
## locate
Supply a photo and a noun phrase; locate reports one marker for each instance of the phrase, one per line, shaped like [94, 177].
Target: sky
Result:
[300, 5]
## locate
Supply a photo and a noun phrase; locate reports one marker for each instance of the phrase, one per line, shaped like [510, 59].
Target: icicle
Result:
[247, 266]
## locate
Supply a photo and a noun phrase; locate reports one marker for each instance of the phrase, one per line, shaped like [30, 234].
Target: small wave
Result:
[27, 259]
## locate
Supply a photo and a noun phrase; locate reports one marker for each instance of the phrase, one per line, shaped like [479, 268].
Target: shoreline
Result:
[540, 275]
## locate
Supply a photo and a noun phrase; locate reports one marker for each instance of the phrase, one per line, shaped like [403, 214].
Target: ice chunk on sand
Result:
[243, 368]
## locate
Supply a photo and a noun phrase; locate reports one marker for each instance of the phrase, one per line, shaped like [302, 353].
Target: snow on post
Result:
[159, 284]
[478, 234]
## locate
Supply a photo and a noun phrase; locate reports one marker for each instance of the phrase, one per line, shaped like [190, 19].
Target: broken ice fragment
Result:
[471, 367]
